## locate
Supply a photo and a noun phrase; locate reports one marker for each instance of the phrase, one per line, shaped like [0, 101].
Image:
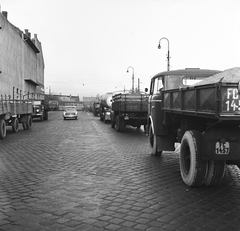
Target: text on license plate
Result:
[222, 148]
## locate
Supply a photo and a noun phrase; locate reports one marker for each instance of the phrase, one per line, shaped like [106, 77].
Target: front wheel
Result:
[193, 168]
[153, 143]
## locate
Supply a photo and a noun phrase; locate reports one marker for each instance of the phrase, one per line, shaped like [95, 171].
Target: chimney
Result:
[27, 33]
[5, 14]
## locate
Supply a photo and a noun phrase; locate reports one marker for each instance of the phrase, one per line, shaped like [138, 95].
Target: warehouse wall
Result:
[21, 68]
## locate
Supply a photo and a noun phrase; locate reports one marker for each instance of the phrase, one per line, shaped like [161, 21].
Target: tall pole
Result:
[132, 77]
[168, 54]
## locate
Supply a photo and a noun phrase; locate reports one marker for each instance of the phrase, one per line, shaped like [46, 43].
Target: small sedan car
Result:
[70, 112]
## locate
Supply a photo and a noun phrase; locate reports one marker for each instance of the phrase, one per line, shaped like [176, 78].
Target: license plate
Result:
[222, 148]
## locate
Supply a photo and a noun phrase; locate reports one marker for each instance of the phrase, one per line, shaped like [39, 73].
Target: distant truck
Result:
[40, 106]
[53, 105]
[129, 109]
[13, 112]
[201, 110]
[96, 108]
[105, 107]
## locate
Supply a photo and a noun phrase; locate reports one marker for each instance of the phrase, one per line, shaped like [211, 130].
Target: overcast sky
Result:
[89, 44]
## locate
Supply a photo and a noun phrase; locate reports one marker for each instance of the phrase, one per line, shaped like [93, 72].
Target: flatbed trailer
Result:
[13, 112]
[129, 109]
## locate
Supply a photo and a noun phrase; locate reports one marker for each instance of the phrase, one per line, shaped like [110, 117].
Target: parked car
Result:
[70, 112]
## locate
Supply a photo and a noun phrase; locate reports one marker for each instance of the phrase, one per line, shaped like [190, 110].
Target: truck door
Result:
[155, 105]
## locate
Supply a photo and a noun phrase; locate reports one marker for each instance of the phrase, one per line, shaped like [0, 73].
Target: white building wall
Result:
[21, 69]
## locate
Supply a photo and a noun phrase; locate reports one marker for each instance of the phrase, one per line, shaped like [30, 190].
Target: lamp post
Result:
[132, 77]
[168, 54]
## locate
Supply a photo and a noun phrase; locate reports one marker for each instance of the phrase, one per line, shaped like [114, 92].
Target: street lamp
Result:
[168, 54]
[132, 77]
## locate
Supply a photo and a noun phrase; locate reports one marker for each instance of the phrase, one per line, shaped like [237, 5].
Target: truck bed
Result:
[130, 103]
[220, 100]
[15, 107]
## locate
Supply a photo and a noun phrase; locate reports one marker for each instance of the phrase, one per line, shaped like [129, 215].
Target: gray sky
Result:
[89, 44]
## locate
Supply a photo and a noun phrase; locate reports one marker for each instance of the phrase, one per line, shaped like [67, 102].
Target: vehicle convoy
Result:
[129, 109]
[96, 107]
[201, 110]
[105, 107]
[21, 72]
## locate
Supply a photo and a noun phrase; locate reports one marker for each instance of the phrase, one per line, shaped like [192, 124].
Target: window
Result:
[158, 85]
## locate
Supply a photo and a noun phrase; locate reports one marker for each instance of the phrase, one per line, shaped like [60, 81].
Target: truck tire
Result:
[192, 167]
[112, 123]
[215, 172]
[118, 124]
[28, 123]
[123, 123]
[45, 115]
[3, 129]
[153, 143]
[41, 117]
[15, 125]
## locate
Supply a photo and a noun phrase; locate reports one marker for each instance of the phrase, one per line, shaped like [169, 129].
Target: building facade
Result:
[21, 61]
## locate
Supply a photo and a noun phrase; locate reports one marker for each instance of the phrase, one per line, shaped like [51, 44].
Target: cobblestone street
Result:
[83, 175]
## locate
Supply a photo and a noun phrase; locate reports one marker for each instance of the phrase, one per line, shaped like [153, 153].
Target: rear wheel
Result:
[28, 123]
[112, 123]
[41, 117]
[15, 125]
[3, 129]
[192, 166]
[118, 124]
[153, 143]
[215, 172]
[45, 115]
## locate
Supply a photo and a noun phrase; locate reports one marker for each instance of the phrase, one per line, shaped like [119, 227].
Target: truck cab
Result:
[162, 136]
[40, 109]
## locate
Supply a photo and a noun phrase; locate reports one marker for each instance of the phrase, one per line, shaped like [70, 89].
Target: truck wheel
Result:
[15, 125]
[41, 117]
[3, 129]
[153, 143]
[123, 123]
[215, 172]
[112, 123]
[192, 166]
[45, 115]
[28, 124]
[118, 124]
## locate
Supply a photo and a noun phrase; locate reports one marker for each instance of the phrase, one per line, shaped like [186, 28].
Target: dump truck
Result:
[129, 109]
[105, 107]
[200, 109]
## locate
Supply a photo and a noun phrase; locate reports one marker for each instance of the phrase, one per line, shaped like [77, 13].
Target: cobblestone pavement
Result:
[83, 175]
